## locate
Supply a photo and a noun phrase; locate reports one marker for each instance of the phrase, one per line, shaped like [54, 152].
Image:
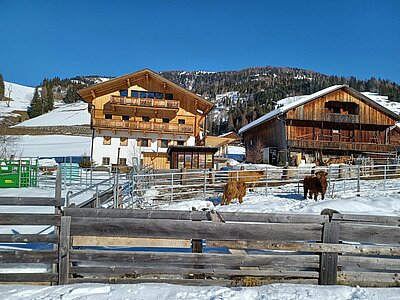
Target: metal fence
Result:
[179, 185]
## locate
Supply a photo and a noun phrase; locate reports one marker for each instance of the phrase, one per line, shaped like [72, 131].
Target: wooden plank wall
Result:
[44, 257]
[348, 249]
[313, 238]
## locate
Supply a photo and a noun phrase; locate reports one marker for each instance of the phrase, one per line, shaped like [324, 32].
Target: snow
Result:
[169, 291]
[67, 115]
[21, 97]
[53, 145]
[236, 150]
[280, 199]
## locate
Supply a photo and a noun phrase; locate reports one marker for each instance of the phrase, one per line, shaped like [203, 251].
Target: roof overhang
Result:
[126, 81]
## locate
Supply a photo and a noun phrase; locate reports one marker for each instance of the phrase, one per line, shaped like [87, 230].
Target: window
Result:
[181, 121]
[169, 97]
[181, 143]
[144, 142]
[123, 141]
[143, 95]
[145, 119]
[164, 143]
[108, 116]
[105, 161]
[134, 94]
[159, 95]
[165, 120]
[125, 118]
[150, 95]
[107, 140]
[123, 93]
[122, 161]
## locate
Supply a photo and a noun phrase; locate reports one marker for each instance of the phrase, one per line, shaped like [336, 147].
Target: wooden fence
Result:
[211, 248]
[41, 263]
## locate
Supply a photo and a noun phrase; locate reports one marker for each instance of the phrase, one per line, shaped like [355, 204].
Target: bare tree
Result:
[8, 143]
[8, 99]
[255, 152]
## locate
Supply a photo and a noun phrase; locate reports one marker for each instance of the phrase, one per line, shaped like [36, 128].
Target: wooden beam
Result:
[93, 94]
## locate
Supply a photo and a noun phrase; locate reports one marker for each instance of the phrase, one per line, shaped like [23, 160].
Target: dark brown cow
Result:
[315, 184]
[232, 190]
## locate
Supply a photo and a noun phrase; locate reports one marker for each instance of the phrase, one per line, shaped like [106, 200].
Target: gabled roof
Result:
[216, 141]
[293, 102]
[126, 81]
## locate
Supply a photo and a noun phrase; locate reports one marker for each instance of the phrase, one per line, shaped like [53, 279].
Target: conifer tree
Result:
[2, 88]
[36, 106]
[70, 96]
[49, 99]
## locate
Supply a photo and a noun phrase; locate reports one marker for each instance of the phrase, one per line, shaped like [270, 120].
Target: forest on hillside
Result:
[260, 88]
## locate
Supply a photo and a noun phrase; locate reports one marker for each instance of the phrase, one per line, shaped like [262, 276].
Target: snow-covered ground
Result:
[168, 291]
[21, 97]
[372, 201]
[66, 115]
[52, 145]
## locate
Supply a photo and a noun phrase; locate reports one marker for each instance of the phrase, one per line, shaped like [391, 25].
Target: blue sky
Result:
[68, 38]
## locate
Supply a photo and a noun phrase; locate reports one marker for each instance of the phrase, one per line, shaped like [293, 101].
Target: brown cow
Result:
[315, 184]
[232, 190]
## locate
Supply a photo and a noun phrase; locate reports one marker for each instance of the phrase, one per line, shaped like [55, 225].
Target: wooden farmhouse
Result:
[335, 121]
[136, 117]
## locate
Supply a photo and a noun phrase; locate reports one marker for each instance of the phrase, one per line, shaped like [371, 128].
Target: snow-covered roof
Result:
[67, 115]
[289, 103]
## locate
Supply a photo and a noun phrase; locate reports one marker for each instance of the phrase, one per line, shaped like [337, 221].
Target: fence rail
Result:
[232, 249]
[182, 184]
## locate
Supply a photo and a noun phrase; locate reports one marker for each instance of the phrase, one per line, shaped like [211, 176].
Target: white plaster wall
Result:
[132, 150]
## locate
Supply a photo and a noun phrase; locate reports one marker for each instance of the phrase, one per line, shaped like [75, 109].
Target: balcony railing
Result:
[143, 126]
[340, 145]
[144, 102]
[339, 118]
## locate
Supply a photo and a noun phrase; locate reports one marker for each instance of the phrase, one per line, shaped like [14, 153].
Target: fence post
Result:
[58, 183]
[384, 177]
[266, 181]
[63, 252]
[172, 187]
[328, 260]
[358, 177]
[205, 184]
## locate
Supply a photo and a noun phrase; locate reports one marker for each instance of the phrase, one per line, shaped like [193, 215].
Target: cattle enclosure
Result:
[198, 247]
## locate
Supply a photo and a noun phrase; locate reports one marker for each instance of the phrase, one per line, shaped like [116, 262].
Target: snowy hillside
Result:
[21, 97]
[52, 145]
[67, 115]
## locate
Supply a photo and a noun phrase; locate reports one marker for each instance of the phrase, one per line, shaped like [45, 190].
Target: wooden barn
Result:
[335, 121]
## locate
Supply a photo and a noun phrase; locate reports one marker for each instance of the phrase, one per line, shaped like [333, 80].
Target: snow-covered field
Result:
[373, 201]
[168, 291]
[66, 115]
[53, 145]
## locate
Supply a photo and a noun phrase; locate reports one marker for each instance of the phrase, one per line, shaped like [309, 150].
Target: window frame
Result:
[105, 158]
[107, 140]
[123, 141]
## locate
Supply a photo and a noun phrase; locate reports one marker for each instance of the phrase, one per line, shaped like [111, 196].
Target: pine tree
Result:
[36, 106]
[2, 87]
[70, 96]
[49, 99]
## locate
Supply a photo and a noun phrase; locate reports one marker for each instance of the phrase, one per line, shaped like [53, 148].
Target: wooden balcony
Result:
[339, 118]
[143, 126]
[144, 102]
[340, 146]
